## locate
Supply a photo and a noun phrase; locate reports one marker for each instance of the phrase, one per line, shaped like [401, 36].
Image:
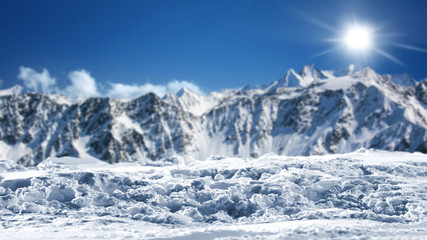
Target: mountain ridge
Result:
[325, 112]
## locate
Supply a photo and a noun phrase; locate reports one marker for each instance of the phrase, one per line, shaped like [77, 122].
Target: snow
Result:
[17, 89]
[352, 68]
[338, 83]
[292, 79]
[195, 103]
[402, 79]
[122, 124]
[62, 99]
[13, 152]
[313, 112]
[364, 194]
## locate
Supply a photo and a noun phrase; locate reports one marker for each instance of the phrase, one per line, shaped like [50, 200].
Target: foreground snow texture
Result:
[364, 194]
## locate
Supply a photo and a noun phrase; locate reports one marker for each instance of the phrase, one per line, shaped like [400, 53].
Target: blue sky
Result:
[209, 45]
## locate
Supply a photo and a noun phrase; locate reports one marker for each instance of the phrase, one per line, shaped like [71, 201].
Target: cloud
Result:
[119, 90]
[82, 85]
[39, 82]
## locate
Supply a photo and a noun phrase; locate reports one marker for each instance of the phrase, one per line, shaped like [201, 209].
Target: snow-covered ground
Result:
[365, 194]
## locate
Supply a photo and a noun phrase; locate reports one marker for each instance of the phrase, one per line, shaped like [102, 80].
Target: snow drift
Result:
[367, 188]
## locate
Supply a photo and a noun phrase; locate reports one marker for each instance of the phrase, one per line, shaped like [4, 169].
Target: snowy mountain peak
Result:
[183, 92]
[365, 72]
[17, 89]
[192, 102]
[291, 79]
[352, 68]
[368, 75]
[312, 113]
[421, 92]
[403, 79]
[310, 73]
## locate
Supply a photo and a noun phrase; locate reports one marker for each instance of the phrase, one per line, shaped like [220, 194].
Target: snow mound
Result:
[367, 185]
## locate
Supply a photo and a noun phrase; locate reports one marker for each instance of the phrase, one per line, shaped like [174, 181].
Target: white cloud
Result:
[39, 82]
[119, 90]
[82, 85]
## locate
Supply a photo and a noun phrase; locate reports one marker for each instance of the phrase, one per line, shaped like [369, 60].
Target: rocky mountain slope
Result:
[306, 113]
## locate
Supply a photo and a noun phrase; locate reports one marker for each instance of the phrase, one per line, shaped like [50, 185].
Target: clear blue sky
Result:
[214, 44]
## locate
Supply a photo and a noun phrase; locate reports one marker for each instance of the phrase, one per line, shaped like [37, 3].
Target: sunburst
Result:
[360, 39]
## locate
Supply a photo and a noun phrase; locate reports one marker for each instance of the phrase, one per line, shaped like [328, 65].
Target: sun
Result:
[361, 39]
[358, 38]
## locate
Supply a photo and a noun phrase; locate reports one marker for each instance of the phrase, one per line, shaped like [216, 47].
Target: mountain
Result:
[11, 91]
[352, 68]
[402, 79]
[313, 112]
[421, 92]
[193, 102]
[309, 74]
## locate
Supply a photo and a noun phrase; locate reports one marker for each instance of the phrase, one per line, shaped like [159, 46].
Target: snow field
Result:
[371, 186]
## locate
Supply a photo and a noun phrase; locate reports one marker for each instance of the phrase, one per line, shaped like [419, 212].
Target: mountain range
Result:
[307, 113]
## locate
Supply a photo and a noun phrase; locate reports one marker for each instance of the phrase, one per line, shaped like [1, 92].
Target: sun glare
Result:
[362, 39]
[358, 38]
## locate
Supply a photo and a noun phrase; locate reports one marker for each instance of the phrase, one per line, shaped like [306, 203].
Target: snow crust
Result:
[359, 195]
